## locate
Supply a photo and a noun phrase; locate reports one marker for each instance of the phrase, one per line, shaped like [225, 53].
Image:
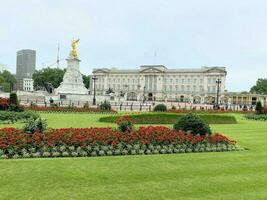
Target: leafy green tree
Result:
[45, 76]
[54, 76]
[260, 87]
[7, 81]
[86, 81]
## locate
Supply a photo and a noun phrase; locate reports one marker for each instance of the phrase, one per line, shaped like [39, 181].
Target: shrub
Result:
[105, 106]
[14, 103]
[173, 108]
[15, 108]
[192, 123]
[259, 108]
[12, 117]
[13, 99]
[160, 108]
[125, 123]
[35, 125]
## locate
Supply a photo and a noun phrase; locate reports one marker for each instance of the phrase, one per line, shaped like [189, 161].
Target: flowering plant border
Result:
[67, 109]
[74, 142]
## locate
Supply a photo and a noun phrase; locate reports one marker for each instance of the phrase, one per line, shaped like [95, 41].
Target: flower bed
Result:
[70, 142]
[68, 109]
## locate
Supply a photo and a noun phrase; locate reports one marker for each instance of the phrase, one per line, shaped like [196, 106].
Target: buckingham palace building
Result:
[158, 83]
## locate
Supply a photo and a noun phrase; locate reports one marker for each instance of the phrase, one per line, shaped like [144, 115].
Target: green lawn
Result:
[227, 175]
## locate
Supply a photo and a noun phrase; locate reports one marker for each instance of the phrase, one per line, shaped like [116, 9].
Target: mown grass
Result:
[67, 120]
[171, 118]
[226, 175]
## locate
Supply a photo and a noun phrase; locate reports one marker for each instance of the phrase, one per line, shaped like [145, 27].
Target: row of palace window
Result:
[170, 88]
[166, 81]
[166, 76]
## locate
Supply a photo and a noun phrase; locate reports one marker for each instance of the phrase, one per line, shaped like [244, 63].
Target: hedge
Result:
[171, 118]
[12, 117]
[260, 117]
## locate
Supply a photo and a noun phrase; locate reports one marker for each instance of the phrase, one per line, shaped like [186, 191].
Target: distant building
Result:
[2, 68]
[245, 98]
[157, 83]
[28, 84]
[26, 62]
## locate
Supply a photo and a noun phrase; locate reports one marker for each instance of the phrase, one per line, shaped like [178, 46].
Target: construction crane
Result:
[47, 85]
[58, 59]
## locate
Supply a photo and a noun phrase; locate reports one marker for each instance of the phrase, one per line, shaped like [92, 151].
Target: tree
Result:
[260, 87]
[259, 108]
[52, 77]
[7, 81]
[42, 78]
[86, 81]
[14, 103]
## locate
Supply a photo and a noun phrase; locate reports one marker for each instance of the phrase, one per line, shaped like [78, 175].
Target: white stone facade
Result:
[28, 84]
[72, 80]
[157, 83]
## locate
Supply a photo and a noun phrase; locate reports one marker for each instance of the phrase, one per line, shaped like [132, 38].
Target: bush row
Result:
[106, 141]
[261, 117]
[171, 118]
[12, 117]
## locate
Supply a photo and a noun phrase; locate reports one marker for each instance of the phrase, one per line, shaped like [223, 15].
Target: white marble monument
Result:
[72, 80]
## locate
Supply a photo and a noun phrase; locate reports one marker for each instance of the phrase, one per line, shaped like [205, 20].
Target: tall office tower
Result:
[26, 61]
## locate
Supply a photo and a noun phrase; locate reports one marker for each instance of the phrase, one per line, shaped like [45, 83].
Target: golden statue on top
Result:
[73, 52]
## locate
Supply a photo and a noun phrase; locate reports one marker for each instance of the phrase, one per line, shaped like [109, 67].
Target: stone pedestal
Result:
[72, 80]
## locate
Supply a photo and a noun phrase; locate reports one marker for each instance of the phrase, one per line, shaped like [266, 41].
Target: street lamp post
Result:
[144, 94]
[139, 91]
[94, 100]
[218, 82]
[126, 91]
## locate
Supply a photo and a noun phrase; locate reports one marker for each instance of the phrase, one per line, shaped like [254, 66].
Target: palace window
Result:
[188, 88]
[209, 80]
[188, 81]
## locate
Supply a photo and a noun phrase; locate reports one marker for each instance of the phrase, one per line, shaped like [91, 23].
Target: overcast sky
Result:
[130, 33]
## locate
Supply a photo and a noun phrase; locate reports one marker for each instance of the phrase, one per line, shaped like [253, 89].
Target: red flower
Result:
[11, 138]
